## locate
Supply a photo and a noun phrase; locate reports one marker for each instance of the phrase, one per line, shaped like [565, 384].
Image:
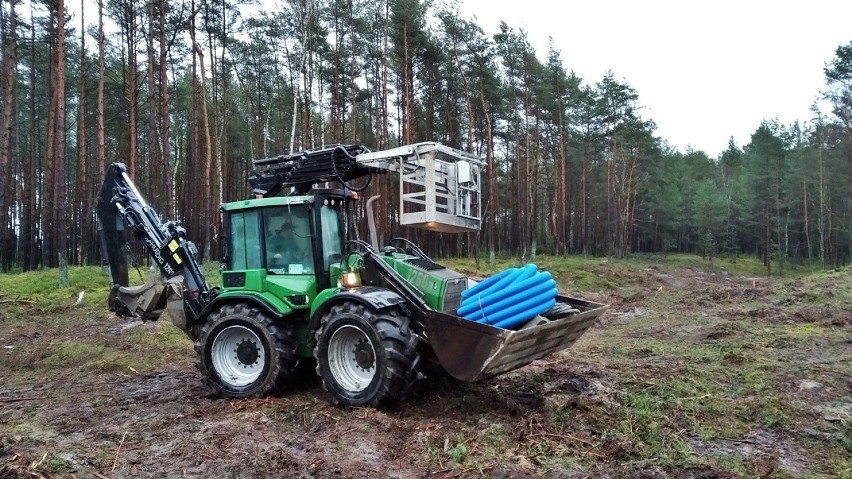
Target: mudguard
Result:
[274, 312]
[374, 297]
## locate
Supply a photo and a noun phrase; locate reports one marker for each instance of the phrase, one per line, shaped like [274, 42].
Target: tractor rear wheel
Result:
[241, 352]
[366, 357]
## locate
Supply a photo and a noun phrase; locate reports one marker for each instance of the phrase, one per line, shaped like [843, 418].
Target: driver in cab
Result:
[284, 248]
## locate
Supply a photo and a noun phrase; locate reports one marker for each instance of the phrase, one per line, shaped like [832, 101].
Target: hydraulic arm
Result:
[120, 208]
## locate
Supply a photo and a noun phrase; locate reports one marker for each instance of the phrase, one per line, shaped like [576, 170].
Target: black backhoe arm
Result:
[120, 207]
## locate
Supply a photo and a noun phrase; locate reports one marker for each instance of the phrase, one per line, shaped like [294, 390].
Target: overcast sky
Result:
[705, 71]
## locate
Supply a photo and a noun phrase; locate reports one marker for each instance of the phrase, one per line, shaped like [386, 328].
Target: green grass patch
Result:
[55, 465]
[37, 293]
[741, 265]
[804, 331]
[572, 273]
[144, 348]
[89, 357]
[40, 289]
[164, 342]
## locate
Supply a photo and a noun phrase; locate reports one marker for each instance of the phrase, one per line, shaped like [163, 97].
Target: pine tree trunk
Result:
[132, 89]
[207, 181]
[101, 148]
[195, 164]
[383, 130]
[822, 210]
[222, 113]
[492, 209]
[564, 222]
[165, 120]
[10, 59]
[807, 226]
[82, 198]
[61, 187]
[155, 160]
[47, 207]
[31, 217]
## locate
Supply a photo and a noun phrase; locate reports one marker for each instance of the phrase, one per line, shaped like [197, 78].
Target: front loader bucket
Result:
[470, 351]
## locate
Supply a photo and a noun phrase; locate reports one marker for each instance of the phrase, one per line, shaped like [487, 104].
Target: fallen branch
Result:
[35, 466]
[23, 301]
[467, 470]
[115, 462]
[695, 397]
[562, 436]
[31, 398]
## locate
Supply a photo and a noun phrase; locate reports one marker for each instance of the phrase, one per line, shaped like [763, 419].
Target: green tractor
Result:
[295, 286]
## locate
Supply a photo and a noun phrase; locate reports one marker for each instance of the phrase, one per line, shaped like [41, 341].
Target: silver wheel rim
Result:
[238, 356]
[351, 358]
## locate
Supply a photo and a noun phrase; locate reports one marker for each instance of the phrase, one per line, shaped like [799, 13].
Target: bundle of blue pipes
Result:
[509, 298]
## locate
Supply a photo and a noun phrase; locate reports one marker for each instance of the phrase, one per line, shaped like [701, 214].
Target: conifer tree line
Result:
[188, 92]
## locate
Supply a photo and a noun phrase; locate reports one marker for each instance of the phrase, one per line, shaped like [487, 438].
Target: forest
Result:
[188, 92]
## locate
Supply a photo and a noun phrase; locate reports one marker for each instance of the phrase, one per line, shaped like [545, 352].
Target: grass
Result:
[92, 340]
[39, 290]
[598, 272]
[694, 373]
[686, 380]
[574, 273]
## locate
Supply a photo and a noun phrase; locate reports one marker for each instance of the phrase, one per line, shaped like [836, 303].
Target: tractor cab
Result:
[285, 246]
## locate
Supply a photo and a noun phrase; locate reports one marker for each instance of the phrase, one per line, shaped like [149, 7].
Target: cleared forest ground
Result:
[694, 372]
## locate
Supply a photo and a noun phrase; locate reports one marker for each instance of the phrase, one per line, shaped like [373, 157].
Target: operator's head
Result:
[286, 229]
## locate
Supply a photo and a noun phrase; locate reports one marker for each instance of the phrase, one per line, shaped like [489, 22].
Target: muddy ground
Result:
[690, 374]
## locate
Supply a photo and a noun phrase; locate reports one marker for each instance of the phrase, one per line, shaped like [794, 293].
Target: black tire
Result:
[559, 311]
[242, 353]
[366, 357]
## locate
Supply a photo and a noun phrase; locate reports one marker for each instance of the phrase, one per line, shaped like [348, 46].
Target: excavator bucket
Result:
[470, 351]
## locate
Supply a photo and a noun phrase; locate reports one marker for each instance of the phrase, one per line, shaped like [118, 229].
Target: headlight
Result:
[350, 280]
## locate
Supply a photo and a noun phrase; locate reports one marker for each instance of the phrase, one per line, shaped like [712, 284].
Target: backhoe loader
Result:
[373, 317]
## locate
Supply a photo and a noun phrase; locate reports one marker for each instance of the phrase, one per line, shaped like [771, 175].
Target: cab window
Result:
[332, 241]
[287, 234]
[245, 241]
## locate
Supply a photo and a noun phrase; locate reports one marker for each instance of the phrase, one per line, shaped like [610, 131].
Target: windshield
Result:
[288, 240]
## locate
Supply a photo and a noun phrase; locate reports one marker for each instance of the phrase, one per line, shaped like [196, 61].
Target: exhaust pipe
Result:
[371, 222]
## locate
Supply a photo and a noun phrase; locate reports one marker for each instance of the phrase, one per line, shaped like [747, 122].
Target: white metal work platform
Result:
[439, 187]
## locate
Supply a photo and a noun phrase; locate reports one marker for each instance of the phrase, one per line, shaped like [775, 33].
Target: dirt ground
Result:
[84, 394]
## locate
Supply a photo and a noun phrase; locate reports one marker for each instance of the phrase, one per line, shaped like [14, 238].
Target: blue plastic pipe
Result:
[468, 304]
[488, 297]
[486, 283]
[514, 275]
[510, 297]
[523, 307]
[519, 275]
[520, 318]
[537, 285]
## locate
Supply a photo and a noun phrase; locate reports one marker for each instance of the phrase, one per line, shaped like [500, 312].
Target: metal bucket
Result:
[471, 351]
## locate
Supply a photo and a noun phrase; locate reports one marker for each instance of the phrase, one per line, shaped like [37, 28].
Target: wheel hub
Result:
[237, 356]
[364, 356]
[351, 358]
[247, 353]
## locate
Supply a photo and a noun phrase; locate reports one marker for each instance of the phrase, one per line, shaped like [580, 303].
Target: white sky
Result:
[705, 71]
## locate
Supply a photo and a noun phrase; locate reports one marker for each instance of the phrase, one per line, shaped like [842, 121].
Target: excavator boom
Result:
[121, 209]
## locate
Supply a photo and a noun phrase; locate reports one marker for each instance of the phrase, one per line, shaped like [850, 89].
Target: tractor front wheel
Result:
[242, 353]
[366, 357]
